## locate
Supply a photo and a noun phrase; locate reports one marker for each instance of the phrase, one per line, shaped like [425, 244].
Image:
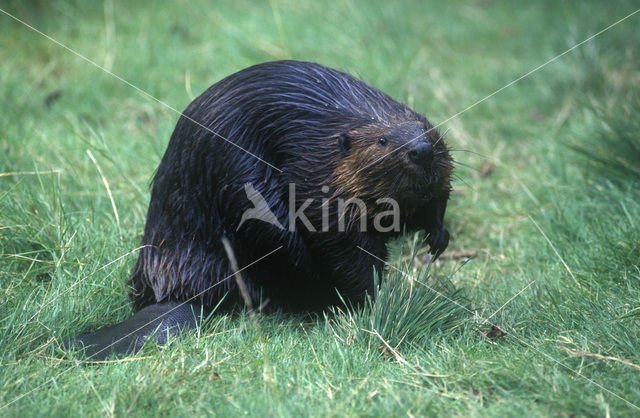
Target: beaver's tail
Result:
[155, 322]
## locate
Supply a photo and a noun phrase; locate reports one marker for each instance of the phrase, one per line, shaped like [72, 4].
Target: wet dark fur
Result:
[319, 126]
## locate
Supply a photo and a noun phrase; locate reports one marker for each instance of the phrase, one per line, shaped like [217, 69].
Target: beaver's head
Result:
[408, 162]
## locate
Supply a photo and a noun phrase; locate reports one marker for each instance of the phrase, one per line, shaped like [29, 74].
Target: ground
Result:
[545, 214]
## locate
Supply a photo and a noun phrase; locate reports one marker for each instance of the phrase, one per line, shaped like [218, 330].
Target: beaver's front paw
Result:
[438, 240]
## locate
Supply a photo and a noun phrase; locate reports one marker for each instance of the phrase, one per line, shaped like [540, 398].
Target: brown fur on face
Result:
[371, 172]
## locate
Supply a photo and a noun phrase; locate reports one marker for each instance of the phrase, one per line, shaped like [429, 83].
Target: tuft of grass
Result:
[410, 307]
[614, 147]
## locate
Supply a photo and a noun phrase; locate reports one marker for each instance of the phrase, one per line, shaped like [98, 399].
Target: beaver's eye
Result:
[382, 141]
[344, 143]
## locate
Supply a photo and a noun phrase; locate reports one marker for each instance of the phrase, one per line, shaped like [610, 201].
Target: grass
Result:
[548, 199]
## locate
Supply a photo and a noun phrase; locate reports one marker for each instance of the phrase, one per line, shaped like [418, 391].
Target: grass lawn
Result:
[546, 199]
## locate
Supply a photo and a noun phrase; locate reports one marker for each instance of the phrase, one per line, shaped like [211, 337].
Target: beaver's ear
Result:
[344, 143]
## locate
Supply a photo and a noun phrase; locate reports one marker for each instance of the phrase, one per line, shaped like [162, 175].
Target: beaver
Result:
[289, 133]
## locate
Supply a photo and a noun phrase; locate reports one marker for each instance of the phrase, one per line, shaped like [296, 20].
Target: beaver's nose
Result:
[421, 154]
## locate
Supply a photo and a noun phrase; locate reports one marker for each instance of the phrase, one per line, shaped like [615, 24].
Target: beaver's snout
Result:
[421, 154]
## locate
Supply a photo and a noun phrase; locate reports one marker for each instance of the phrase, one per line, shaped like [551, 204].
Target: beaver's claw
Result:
[438, 240]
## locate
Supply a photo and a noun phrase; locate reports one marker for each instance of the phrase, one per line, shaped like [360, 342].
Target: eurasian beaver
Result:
[329, 158]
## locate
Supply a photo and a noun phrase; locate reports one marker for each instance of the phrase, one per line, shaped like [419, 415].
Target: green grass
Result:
[558, 219]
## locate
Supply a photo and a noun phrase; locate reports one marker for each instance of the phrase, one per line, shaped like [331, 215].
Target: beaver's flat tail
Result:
[156, 322]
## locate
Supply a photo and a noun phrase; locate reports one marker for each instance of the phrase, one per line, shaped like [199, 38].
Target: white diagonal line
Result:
[553, 247]
[510, 333]
[509, 301]
[44, 305]
[149, 95]
[502, 88]
[138, 329]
